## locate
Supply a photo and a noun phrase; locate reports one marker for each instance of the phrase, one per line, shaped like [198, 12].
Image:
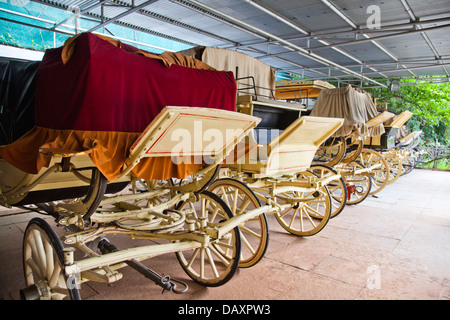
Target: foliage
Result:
[8, 39]
[430, 104]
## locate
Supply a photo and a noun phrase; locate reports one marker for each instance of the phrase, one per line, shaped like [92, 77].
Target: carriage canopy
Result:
[355, 106]
[100, 94]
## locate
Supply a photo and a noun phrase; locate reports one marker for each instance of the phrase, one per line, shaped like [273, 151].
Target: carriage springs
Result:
[231, 309]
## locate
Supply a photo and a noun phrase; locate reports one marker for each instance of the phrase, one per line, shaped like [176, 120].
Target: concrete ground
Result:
[395, 246]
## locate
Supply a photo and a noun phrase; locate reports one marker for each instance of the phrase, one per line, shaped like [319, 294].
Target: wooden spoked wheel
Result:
[353, 150]
[408, 164]
[255, 232]
[305, 213]
[214, 264]
[358, 185]
[331, 151]
[395, 168]
[43, 264]
[380, 178]
[337, 188]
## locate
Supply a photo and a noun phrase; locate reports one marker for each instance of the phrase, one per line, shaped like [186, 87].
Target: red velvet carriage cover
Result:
[99, 93]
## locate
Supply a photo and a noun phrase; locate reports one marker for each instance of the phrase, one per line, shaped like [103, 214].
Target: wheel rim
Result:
[411, 164]
[395, 169]
[254, 233]
[353, 150]
[380, 178]
[308, 215]
[331, 151]
[43, 263]
[337, 188]
[216, 263]
[361, 185]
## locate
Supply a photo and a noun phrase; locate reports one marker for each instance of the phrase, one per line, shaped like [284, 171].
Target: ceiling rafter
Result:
[207, 9]
[335, 9]
[424, 34]
[330, 34]
[122, 15]
[295, 40]
[301, 30]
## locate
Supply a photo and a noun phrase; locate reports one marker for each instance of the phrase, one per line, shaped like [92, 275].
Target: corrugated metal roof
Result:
[314, 38]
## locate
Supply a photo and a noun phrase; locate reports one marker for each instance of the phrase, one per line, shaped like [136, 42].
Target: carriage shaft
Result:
[227, 226]
[350, 171]
[129, 254]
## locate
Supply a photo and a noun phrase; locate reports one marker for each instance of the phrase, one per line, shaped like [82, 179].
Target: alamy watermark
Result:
[374, 20]
[374, 278]
[73, 281]
[211, 141]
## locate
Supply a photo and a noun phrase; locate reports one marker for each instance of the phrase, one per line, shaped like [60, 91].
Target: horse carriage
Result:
[407, 145]
[364, 170]
[167, 148]
[376, 143]
[277, 171]
[125, 142]
[397, 147]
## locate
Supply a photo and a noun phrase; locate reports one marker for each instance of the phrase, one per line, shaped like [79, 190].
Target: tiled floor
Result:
[395, 246]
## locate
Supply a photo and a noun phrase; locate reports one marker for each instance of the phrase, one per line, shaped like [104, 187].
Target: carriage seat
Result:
[292, 150]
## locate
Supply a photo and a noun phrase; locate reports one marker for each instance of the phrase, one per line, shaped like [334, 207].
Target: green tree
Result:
[430, 104]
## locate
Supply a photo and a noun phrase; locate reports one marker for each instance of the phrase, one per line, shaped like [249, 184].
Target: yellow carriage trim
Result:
[300, 89]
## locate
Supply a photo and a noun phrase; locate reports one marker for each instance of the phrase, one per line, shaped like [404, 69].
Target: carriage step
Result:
[163, 281]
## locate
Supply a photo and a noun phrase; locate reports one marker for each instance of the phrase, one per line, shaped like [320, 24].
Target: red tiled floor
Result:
[395, 246]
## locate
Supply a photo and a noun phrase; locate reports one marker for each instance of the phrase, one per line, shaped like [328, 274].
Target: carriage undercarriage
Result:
[181, 215]
[214, 219]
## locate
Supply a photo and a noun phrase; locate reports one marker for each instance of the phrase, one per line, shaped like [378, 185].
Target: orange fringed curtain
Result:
[107, 154]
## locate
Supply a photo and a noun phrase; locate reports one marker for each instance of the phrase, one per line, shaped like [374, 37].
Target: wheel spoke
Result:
[249, 232]
[224, 195]
[192, 258]
[286, 212]
[53, 279]
[41, 251]
[35, 269]
[223, 257]
[49, 260]
[309, 218]
[247, 243]
[211, 262]
[293, 218]
[202, 263]
[316, 211]
[244, 206]
[235, 199]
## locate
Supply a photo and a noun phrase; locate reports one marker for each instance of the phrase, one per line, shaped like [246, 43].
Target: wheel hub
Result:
[37, 291]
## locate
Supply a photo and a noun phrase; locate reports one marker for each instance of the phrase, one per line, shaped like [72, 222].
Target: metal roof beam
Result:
[386, 28]
[69, 33]
[123, 14]
[294, 26]
[346, 19]
[177, 23]
[424, 35]
[340, 44]
[422, 63]
[410, 68]
[253, 29]
[95, 5]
